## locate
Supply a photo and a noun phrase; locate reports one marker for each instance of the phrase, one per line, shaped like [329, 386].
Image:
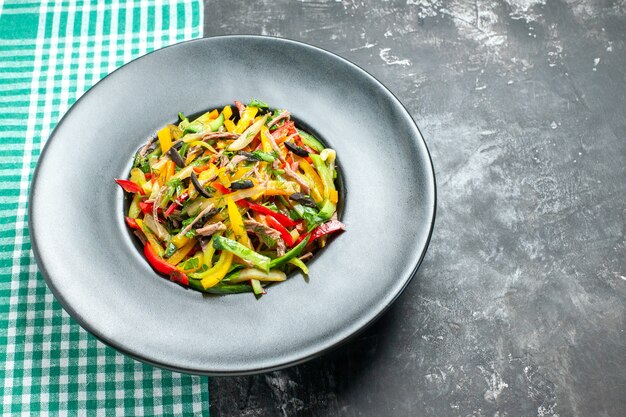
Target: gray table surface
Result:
[519, 306]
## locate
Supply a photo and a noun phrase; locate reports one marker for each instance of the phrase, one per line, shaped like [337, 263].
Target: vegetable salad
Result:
[233, 200]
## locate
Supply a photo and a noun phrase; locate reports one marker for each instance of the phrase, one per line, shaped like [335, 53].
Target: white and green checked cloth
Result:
[50, 53]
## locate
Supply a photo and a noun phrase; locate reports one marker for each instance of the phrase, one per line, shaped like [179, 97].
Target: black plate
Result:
[92, 266]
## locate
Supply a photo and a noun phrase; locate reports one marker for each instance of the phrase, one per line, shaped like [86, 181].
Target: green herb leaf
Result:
[268, 241]
[258, 103]
[174, 186]
[171, 248]
[310, 215]
[188, 221]
[190, 263]
[270, 205]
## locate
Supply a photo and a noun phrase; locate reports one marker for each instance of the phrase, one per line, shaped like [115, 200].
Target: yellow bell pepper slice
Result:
[137, 176]
[239, 228]
[221, 174]
[333, 196]
[317, 197]
[207, 174]
[204, 145]
[281, 188]
[159, 165]
[227, 112]
[180, 240]
[213, 114]
[241, 172]
[181, 253]
[175, 132]
[147, 187]
[167, 172]
[236, 223]
[213, 276]
[265, 142]
[165, 139]
[208, 253]
[246, 118]
[310, 172]
[317, 186]
[230, 126]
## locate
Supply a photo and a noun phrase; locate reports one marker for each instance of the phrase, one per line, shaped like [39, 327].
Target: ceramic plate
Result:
[91, 262]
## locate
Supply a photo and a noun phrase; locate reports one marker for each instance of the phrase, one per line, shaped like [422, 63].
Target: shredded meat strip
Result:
[220, 135]
[198, 217]
[306, 256]
[157, 203]
[144, 150]
[210, 229]
[304, 186]
[235, 161]
[260, 229]
[283, 115]
[281, 248]
[274, 146]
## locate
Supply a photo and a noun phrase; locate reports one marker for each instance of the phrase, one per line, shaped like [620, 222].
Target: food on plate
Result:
[233, 200]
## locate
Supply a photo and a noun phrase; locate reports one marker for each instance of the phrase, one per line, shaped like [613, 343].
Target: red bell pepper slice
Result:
[176, 203]
[132, 223]
[282, 219]
[219, 187]
[130, 187]
[146, 208]
[323, 229]
[283, 130]
[170, 209]
[163, 267]
[284, 233]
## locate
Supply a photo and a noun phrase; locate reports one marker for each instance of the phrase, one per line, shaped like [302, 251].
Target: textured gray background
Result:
[519, 306]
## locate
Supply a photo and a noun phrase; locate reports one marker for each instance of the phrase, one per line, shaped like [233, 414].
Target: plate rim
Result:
[334, 341]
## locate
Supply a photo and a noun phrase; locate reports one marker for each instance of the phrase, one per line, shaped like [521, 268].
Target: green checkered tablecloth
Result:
[50, 53]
